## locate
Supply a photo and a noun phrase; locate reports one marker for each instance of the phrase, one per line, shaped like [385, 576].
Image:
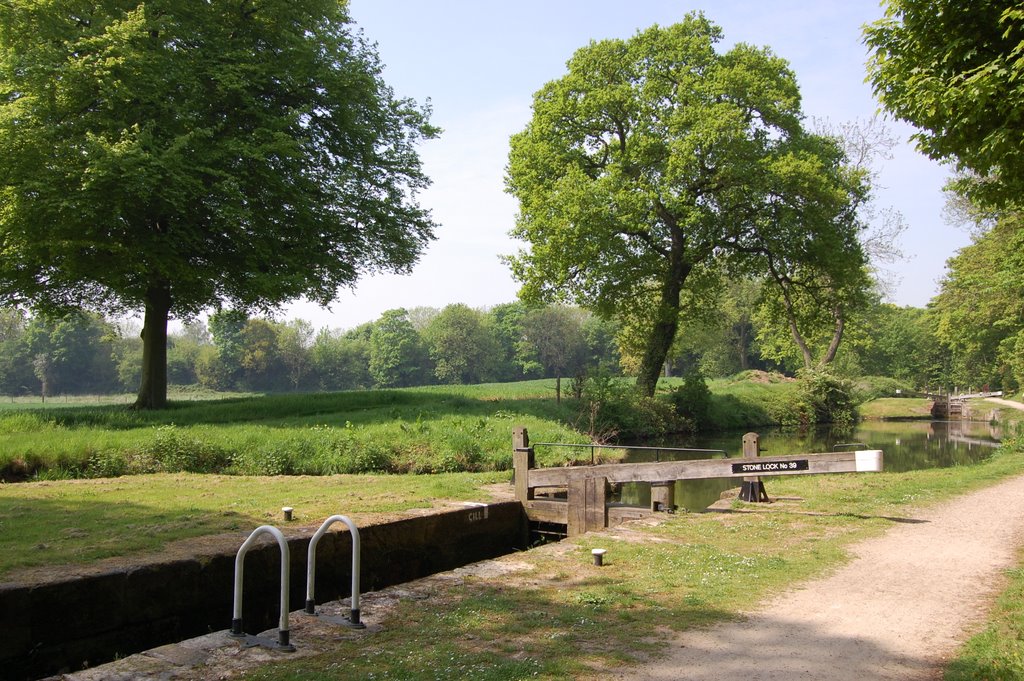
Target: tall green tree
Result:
[16, 371]
[658, 156]
[261, 356]
[294, 340]
[953, 69]
[507, 321]
[553, 337]
[72, 354]
[904, 345]
[398, 356]
[167, 156]
[463, 345]
[340, 361]
[980, 307]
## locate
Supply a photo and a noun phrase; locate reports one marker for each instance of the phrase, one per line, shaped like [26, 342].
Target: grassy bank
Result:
[439, 429]
[560, 617]
[428, 430]
[896, 408]
[417, 430]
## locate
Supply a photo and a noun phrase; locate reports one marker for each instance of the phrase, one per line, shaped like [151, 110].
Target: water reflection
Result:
[908, 445]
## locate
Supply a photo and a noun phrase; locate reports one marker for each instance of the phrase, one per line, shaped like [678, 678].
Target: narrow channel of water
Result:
[907, 445]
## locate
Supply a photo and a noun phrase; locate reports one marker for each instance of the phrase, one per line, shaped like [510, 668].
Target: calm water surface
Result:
[907, 446]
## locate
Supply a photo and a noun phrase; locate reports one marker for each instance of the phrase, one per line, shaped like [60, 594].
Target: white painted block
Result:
[869, 460]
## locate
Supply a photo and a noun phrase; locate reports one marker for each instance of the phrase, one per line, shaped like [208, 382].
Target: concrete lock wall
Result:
[67, 625]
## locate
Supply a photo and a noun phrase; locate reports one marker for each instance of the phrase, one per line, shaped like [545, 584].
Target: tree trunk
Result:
[153, 391]
[793, 328]
[837, 337]
[666, 321]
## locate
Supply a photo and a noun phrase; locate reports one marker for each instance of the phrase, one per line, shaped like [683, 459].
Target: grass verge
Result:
[54, 523]
[896, 408]
[997, 653]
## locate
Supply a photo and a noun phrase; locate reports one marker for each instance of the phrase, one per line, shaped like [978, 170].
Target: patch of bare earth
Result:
[898, 610]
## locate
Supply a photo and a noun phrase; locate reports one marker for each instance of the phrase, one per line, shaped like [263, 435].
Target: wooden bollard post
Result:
[752, 489]
[522, 461]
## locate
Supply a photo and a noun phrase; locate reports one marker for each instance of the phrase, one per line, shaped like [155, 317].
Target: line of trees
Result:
[88, 354]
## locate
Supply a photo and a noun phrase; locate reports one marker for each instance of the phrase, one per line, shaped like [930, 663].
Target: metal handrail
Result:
[657, 450]
[353, 620]
[236, 618]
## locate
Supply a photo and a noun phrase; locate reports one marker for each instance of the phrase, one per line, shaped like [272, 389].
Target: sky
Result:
[479, 63]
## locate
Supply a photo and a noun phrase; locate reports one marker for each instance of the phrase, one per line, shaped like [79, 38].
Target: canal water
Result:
[907, 446]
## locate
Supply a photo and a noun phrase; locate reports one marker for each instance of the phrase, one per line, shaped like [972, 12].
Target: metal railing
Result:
[353, 619]
[657, 450]
[236, 617]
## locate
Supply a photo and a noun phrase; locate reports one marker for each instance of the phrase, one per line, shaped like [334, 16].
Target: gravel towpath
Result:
[898, 610]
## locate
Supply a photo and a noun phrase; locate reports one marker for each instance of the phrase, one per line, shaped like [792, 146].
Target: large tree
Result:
[657, 157]
[398, 356]
[463, 345]
[553, 338]
[954, 69]
[168, 156]
[980, 307]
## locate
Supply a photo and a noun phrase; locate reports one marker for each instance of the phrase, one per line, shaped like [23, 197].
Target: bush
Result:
[611, 409]
[175, 451]
[826, 398]
[692, 400]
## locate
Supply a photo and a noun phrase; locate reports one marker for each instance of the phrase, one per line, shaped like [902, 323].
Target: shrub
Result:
[611, 409]
[826, 398]
[692, 400]
[176, 451]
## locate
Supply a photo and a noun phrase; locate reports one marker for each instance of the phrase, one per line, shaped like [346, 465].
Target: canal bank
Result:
[88, 615]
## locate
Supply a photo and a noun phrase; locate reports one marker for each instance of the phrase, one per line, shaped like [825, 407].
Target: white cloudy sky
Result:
[479, 64]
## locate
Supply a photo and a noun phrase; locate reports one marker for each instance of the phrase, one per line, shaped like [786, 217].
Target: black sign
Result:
[770, 467]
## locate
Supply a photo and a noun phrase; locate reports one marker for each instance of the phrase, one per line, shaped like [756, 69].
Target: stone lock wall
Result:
[83, 621]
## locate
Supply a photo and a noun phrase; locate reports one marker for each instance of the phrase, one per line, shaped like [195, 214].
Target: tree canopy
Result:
[171, 156]
[954, 70]
[979, 310]
[656, 162]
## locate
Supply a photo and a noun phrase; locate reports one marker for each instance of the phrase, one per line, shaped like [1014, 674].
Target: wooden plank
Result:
[595, 515]
[805, 464]
[522, 462]
[547, 511]
[577, 523]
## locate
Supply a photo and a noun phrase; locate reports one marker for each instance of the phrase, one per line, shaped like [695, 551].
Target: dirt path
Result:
[1006, 403]
[898, 610]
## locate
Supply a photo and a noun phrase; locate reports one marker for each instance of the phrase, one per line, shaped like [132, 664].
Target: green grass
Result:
[997, 653]
[425, 430]
[752, 399]
[565, 618]
[896, 408]
[417, 430]
[52, 523]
